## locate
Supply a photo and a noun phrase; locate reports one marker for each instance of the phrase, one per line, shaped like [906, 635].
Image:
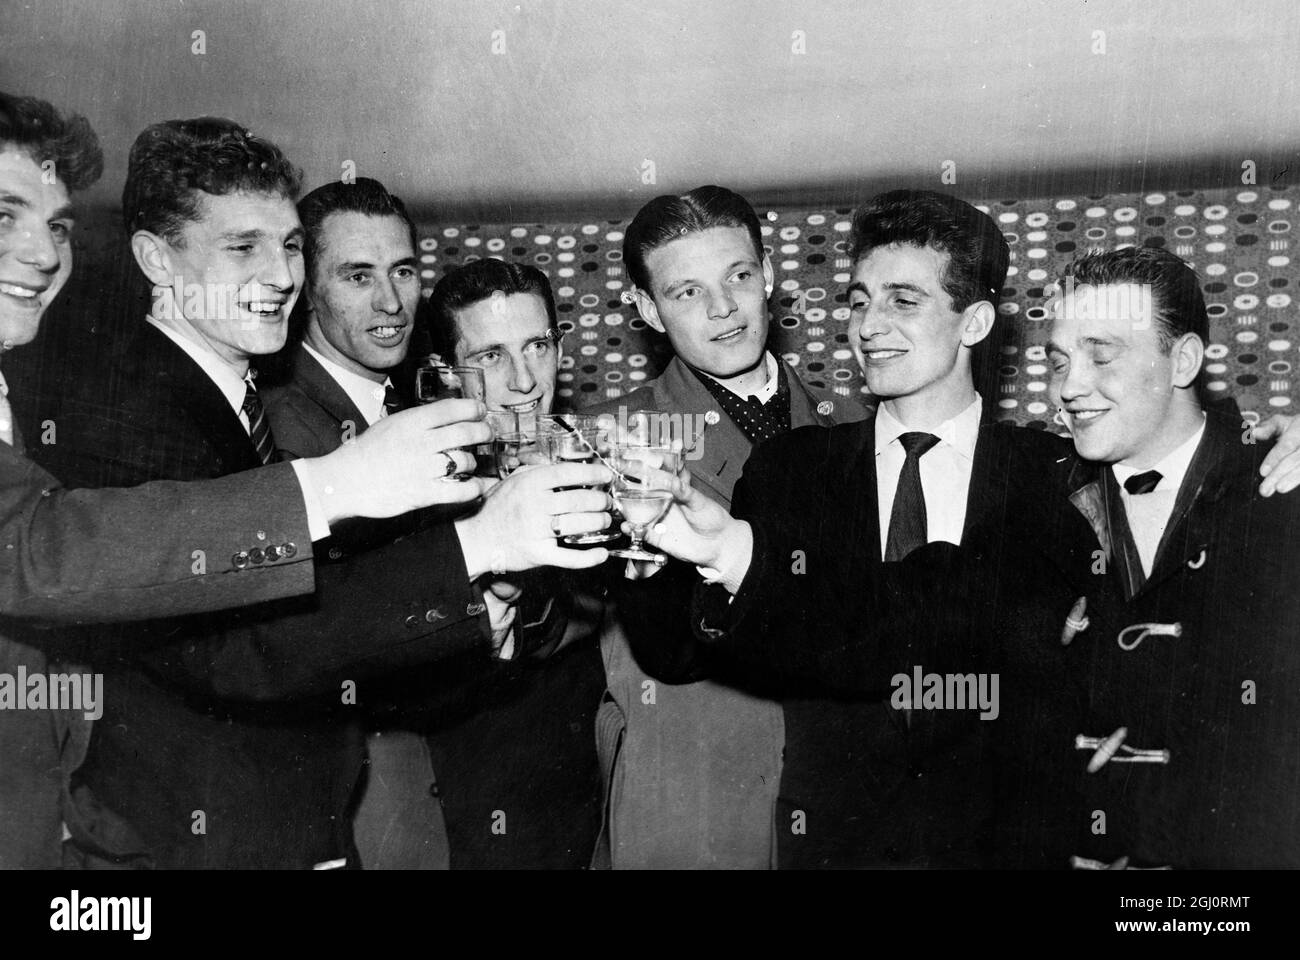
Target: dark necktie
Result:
[907, 525]
[259, 430]
[392, 403]
[1141, 483]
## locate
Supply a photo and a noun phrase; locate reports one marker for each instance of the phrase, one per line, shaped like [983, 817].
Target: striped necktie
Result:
[259, 430]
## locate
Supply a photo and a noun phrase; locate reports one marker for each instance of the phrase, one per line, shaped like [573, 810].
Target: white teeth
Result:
[884, 354]
[730, 333]
[384, 333]
[1086, 414]
[261, 307]
[523, 407]
[17, 291]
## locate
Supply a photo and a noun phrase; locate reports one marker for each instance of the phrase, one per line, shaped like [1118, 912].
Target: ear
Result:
[1187, 353]
[978, 319]
[769, 275]
[645, 306]
[153, 256]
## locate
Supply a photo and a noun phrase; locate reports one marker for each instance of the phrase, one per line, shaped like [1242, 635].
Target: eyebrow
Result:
[257, 234]
[16, 201]
[1054, 347]
[858, 286]
[747, 262]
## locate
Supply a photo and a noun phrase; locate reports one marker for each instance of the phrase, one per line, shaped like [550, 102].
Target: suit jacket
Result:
[510, 737]
[78, 556]
[842, 636]
[1222, 696]
[694, 768]
[221, 742]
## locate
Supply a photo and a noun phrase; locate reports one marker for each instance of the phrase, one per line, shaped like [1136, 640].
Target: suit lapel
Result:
[324, 391]
[724, 449]
[1208, 477]
[191, 390]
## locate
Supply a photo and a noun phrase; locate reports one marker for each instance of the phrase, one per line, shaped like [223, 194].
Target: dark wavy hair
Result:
[364, 195]
[668, 217]
[39, 130]
[978, 257]
[172, 162]
[467, 285]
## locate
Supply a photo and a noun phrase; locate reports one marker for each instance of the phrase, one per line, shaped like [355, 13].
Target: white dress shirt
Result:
[366, 394]
[1148, 513]
[945, 471]
[233, 387]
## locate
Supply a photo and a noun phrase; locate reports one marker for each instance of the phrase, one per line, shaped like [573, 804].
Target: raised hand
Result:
[394, 466]
[523, 516]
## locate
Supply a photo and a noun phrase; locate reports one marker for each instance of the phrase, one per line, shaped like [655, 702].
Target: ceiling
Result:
[566, 106]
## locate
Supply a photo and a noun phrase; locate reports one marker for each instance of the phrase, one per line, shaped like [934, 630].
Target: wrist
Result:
[472, 547]
[731, 562]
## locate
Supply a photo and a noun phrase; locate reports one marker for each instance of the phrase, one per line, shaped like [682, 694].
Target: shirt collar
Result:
[1172, 468]
[959, 432]
[232, 386]
[367, 395]
[769, 388]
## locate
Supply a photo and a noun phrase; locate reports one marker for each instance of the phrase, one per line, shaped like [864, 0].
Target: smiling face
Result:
[709, 295]
[364, 291]
[35, 247]
[1122, 393]
[509, 336]
[910, 342]
[235, 272]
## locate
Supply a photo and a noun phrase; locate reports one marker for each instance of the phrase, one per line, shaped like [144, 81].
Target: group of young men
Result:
[352, 660]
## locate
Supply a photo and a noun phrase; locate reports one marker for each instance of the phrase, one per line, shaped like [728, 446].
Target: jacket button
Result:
[272, 553]
[261, 534]
[240, 560]
[288, 550]
[412, 621]
[256, 555]
[434, 791]
[335, 553]
[432, 616]
[474, 609]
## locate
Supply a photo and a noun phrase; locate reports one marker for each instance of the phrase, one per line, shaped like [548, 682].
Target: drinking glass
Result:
[582, 438]
[514, 450]
[438, 381]
[643, 493]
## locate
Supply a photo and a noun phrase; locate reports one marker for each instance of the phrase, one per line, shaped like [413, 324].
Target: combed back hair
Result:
[669, 218]
[1177, 303]
[172, 162]
[39, 130]
[977, 251]
[467, 285]
[365, 196]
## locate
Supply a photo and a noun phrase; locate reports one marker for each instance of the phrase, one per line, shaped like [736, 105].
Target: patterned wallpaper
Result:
[1238, 240]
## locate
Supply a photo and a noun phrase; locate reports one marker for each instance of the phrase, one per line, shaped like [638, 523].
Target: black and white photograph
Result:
[650, 435]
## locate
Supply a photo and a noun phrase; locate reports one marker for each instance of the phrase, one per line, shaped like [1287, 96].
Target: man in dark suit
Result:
[221, 744]
[694, 768]
[159, 549]
[1189, 660]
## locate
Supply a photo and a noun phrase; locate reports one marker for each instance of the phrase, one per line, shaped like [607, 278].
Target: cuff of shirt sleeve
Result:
[318, 524]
